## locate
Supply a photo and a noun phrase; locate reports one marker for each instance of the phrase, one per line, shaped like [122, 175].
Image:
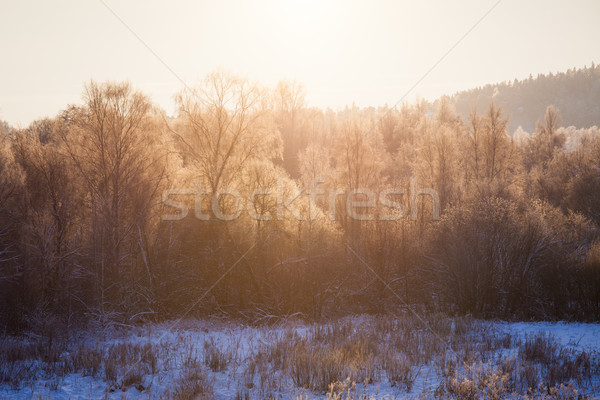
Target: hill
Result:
[576, 94]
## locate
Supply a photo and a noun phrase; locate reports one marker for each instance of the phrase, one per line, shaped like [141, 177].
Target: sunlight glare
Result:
[303, 18]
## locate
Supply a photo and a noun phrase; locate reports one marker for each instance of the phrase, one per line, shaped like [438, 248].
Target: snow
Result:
[579, 336]
[177, 338]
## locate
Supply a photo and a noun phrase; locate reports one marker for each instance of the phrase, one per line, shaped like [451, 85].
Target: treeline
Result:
[93, 224]
[576, 93]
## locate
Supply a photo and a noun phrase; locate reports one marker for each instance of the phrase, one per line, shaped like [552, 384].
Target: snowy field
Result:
[358, 357]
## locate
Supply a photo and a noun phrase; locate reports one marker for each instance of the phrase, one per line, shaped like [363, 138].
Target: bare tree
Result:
[289, 101]
[496, 143]
[474, 146]
[541, 147]
[224, 124]
[111, 141]
[49, 211]
[11, 186]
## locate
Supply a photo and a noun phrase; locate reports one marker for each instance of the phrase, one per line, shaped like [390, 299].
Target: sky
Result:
[369, 53]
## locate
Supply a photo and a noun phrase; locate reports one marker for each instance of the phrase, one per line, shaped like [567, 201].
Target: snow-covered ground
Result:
[580, 336]
[232, 359]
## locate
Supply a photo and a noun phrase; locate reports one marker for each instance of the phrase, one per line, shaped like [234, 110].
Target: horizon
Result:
[366, 58]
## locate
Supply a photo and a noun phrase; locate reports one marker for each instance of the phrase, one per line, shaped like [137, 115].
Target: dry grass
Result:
[467, 358]
[193, 382]
[214, 358]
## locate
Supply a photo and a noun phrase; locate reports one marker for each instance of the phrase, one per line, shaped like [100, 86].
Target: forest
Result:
[114, 213]
[576, 93]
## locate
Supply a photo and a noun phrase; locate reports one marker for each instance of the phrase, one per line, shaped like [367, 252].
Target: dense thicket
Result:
[576, 93]
[92, 225]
